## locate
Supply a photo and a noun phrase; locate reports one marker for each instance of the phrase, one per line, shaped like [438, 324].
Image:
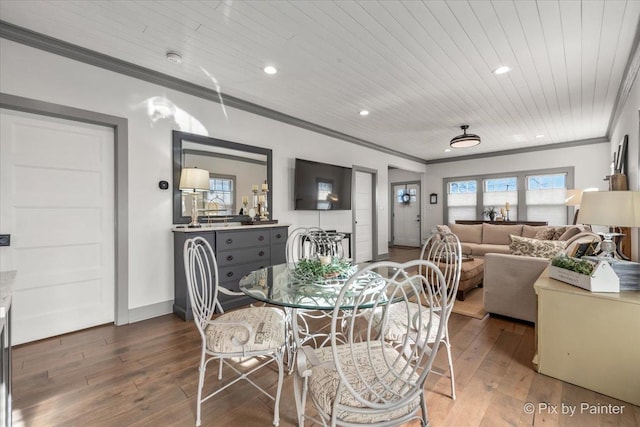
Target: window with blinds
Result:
[534, 195]
[461, 200]
[500, 191]
[545, 197]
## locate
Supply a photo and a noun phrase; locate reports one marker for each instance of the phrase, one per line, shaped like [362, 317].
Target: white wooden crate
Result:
[602, 279]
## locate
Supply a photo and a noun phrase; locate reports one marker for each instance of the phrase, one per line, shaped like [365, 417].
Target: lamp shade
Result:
[610, 208]
[573, 197]
[465, 140]
[194, 179]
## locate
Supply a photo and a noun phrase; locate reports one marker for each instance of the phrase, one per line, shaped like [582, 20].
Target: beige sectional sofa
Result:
[508, 278]
[481, 239]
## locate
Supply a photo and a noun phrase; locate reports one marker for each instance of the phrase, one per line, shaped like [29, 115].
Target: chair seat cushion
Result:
[324, 382]
[268, 331]
[397, 324]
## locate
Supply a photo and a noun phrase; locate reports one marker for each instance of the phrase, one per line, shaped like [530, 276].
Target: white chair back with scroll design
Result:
[256, 332]
[368, 380]
[443, 250]
[309, 242]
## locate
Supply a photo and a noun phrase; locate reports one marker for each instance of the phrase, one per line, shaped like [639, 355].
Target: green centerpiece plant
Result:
[315, 269]
[580, 266]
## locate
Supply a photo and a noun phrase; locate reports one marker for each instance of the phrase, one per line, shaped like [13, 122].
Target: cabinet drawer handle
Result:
[229, 257]
[229, 241]
[278, 236]
[261, 253]
[261, 238]
[230, 274]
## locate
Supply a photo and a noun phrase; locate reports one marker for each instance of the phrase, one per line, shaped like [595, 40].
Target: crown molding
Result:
[546, 147]
[628, 78]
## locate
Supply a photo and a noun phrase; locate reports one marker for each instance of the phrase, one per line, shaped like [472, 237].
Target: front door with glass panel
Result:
[406, 214]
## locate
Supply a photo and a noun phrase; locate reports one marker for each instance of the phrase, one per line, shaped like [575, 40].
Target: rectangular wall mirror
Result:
[233, 171]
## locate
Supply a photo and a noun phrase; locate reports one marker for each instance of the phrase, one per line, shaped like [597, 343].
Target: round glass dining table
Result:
[309, 301]
[281, 285]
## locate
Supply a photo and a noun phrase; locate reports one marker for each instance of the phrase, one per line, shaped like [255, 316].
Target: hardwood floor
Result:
[145, 374]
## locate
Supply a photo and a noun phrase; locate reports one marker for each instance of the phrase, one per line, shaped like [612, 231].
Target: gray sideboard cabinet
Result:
[239, 250]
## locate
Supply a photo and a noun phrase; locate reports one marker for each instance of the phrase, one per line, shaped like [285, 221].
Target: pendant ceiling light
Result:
[465, 140]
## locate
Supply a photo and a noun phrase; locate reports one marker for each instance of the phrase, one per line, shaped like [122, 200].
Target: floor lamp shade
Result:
[194, 179]
[610, 208]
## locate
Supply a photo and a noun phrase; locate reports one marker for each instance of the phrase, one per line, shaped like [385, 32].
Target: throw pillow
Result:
[443, 228]
[559, 232]
[545, 233]
[531, 230]
[569, 233]
[535, 248]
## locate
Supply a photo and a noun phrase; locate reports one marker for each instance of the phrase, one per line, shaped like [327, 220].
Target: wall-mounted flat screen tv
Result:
[321, 187]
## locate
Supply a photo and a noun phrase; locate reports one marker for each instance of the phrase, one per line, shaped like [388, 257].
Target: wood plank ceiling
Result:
[421, 68]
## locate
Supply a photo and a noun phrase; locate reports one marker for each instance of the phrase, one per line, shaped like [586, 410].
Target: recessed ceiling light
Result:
[364, 113]
[501, 70]
[540, 136]
[446, 150]
[174, 57]
[270, 69]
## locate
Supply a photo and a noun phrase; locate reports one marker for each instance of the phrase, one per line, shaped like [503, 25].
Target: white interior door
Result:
[406, 214]
[57, 202]
[363, 216]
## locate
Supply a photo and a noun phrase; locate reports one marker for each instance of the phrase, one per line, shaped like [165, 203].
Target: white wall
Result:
[627, 124]
[32, 73]
[590, 169]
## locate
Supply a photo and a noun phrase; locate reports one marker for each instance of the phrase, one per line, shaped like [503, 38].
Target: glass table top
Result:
[282, 285]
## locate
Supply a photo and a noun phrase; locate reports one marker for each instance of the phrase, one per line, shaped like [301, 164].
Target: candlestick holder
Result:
[264, 211]
[255, 197]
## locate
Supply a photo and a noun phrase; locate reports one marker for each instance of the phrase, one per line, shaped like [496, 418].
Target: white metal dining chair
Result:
[309, 243]
[368, 380]
[444, 250]
[233, 337]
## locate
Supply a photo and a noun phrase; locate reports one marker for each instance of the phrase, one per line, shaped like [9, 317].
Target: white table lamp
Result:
[193, 181]
[611, 209]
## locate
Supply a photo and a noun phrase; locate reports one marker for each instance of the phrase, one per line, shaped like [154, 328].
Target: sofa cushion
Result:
[480, 249]
[531, 230]
[536, 248]
[499, 234]
[545, 233]
[470, 233]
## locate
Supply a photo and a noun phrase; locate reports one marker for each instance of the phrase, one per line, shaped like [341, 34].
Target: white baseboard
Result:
[149, 311]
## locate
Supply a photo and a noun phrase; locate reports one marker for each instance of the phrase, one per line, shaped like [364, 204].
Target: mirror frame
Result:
[177, 138]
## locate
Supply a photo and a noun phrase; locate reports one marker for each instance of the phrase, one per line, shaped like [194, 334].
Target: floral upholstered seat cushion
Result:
[325, 380]
[268, 324]
[397, 326]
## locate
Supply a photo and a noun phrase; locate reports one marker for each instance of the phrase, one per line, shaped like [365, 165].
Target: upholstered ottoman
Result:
[471, 275]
